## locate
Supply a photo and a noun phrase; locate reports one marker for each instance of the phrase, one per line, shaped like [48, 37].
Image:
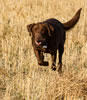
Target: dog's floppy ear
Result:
[50, 29]
[29, 28]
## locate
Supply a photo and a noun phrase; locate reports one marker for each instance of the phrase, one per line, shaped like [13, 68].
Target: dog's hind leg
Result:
[61, 50]
[53, 57]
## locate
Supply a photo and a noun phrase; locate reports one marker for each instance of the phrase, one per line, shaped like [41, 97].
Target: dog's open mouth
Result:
[41, 44]
[37, 43]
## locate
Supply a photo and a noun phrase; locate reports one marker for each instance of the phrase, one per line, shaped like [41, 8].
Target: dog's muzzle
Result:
[41, 44]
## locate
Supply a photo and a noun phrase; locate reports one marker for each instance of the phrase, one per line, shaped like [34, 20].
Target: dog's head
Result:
[41, 32]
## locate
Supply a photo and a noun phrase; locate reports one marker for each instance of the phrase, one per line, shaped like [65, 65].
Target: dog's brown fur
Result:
[51, 34]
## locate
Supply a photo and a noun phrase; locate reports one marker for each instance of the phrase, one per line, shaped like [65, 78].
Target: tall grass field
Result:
[21, 78]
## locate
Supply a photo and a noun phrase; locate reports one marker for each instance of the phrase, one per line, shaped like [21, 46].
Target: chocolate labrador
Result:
[49, 36]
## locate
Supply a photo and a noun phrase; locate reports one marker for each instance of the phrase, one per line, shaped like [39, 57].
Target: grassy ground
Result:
[20, 76]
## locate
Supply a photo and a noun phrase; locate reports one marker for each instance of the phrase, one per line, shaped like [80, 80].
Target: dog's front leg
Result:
[39, 56]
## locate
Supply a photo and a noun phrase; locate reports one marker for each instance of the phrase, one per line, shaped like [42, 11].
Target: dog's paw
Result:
[60, 69]
[53, 68]
[44, 63]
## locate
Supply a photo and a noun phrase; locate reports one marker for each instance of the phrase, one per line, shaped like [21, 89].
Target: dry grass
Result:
[20, 76]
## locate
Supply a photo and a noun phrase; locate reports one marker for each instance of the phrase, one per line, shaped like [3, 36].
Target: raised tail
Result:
[73, 21]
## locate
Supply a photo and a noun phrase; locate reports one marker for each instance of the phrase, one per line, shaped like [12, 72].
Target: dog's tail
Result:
[73, 21]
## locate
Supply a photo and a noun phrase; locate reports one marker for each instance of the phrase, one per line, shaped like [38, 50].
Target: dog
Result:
[49, 36]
